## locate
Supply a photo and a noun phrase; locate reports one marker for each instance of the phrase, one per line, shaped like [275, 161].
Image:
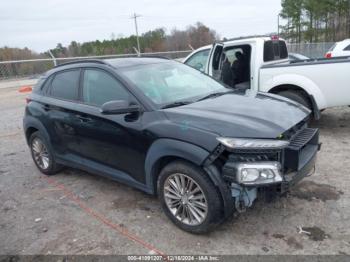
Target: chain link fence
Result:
[311, 50]
[31, 69]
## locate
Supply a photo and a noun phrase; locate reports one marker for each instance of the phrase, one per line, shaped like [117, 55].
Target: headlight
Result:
[244, 143]
[258, 173]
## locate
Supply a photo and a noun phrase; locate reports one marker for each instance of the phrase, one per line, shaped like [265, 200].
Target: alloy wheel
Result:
[40, 153]
[185, 199]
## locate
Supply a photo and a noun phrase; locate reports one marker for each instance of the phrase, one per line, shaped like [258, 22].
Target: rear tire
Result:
[297, 97]
[189, 198]
[42, 154]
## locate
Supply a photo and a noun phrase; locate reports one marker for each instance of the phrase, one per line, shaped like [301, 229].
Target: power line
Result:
[135, 16]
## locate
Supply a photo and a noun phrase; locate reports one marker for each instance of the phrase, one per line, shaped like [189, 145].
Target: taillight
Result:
[328, 55]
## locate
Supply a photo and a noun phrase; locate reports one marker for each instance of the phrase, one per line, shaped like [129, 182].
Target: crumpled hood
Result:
[241, 115]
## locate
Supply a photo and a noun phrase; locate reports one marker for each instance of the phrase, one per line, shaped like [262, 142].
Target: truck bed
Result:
[316, 61]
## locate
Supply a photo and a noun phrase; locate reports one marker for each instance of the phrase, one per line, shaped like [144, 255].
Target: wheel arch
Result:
[295, 88]
[31, 125]
[296, 82]
[164, 151]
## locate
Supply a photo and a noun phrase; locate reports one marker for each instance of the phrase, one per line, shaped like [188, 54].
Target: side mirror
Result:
[118, 107]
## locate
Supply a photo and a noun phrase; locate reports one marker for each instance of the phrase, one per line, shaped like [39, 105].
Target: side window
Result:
[46, 86]
[99, 87]
[347, 48]
[199, 60]
[65, 85]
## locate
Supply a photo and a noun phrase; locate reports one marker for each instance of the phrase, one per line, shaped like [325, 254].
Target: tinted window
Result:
[347, 48]
[275, 50]
[99, 87]
[46, 86]
[65, 85]
[198, 60]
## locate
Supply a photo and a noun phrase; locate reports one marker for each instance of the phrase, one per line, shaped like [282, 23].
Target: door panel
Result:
[112, 140]
[115, 141]
[59, 109]
[214, 60]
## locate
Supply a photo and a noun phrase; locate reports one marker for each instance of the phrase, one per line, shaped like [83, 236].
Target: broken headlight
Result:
[258, 173]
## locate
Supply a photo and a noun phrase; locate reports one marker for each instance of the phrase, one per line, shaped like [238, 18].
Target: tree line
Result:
[152, 41]
[315, 20]
[156, 40]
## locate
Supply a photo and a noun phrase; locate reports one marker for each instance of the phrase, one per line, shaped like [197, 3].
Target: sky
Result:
[41, 24]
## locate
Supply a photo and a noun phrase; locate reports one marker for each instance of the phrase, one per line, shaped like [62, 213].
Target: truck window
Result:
[234, 66]
[275, 50]
[199, 60]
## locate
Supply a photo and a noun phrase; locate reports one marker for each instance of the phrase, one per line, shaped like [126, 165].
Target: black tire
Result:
[214, 214]
[52, 167]
[297, 97]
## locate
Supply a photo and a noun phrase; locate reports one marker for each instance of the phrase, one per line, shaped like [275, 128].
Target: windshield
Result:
[169, 82]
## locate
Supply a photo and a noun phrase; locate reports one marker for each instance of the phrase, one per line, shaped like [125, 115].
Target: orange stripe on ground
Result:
[70, 195]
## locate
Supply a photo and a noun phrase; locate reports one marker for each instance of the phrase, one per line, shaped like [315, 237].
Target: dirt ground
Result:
[74, 212]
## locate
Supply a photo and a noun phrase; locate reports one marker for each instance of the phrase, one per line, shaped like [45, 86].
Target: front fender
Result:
[300, 81]
[171, 148]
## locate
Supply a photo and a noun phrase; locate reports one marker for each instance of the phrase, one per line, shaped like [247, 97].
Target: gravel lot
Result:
[78, 213]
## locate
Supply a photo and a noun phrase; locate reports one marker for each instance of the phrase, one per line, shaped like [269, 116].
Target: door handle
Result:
[84, 118]
[46, 107]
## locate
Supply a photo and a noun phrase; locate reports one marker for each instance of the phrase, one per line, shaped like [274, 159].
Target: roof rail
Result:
[153, 56]
[99, 61]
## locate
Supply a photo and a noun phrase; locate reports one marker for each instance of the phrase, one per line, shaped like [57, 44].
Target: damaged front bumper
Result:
[270, 171]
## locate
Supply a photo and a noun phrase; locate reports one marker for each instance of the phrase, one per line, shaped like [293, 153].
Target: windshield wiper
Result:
[212, 95]
[177, 103]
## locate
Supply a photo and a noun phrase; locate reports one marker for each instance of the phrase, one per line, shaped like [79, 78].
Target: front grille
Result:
[302, 138]
[254, 157]
[299, 144]
[292, 132]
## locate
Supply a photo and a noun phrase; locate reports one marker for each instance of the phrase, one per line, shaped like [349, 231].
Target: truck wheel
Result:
[297, 97]
[42, 154]
[189, 198]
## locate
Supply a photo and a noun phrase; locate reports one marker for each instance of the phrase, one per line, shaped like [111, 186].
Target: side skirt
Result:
[90, 166]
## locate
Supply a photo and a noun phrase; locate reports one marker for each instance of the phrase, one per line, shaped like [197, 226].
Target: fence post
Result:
[53, 58]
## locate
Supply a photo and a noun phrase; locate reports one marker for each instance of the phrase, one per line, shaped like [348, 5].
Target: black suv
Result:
[160, 126]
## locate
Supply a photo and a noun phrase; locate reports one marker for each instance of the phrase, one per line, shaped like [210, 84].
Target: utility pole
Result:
[135, 16]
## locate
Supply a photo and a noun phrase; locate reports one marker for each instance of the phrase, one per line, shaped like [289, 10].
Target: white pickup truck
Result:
[262, 64]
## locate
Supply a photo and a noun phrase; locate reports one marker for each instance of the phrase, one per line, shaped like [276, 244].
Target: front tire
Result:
[189, 198]
[42, 154]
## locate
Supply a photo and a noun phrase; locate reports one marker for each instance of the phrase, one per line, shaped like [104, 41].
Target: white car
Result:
[339, 49]
[261, 64]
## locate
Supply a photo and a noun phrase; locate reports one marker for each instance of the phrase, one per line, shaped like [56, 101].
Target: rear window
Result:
[347, 48]
[275, 50]
[65, 85]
